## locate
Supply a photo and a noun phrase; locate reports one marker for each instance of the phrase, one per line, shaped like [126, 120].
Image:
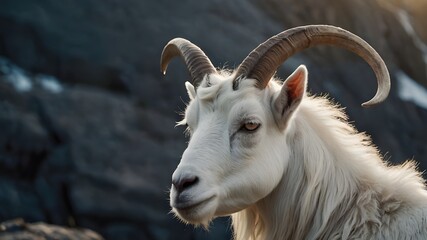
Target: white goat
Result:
[283, 164]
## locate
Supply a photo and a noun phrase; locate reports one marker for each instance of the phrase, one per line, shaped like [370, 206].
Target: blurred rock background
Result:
[87, 136]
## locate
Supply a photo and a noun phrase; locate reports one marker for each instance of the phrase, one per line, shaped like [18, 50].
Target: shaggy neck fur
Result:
[336, 186]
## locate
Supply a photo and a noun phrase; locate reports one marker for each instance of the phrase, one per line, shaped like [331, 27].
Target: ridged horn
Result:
[198, 64]
[263, 61]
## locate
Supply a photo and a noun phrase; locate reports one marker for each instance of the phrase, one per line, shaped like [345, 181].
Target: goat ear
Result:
[190, 90]
[290, 96]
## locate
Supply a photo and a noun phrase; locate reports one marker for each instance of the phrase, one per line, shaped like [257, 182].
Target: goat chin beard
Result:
[199, 222]
[198, 217]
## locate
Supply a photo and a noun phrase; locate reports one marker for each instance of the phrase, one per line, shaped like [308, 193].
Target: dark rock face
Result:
[19, 230]
[96, 147]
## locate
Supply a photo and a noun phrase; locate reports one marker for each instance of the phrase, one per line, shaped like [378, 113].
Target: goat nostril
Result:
[185, 182]
[190, 182]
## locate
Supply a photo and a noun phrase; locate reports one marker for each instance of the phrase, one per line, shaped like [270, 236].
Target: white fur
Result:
[316, 179]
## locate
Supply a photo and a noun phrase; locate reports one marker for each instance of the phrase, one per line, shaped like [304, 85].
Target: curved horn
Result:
[197, 62]
[263, 61]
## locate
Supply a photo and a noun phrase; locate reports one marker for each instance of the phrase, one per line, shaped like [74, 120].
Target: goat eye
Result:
[251, 126]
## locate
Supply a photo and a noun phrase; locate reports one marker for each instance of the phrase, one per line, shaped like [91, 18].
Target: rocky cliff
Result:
[18, 229]
[87, 136]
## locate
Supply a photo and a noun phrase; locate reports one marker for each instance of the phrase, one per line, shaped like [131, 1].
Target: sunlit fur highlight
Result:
[335, 184]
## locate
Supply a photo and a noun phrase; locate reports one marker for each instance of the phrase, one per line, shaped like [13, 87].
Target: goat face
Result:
[237, 153]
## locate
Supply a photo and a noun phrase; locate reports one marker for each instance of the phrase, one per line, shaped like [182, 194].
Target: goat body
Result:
[336, 186]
